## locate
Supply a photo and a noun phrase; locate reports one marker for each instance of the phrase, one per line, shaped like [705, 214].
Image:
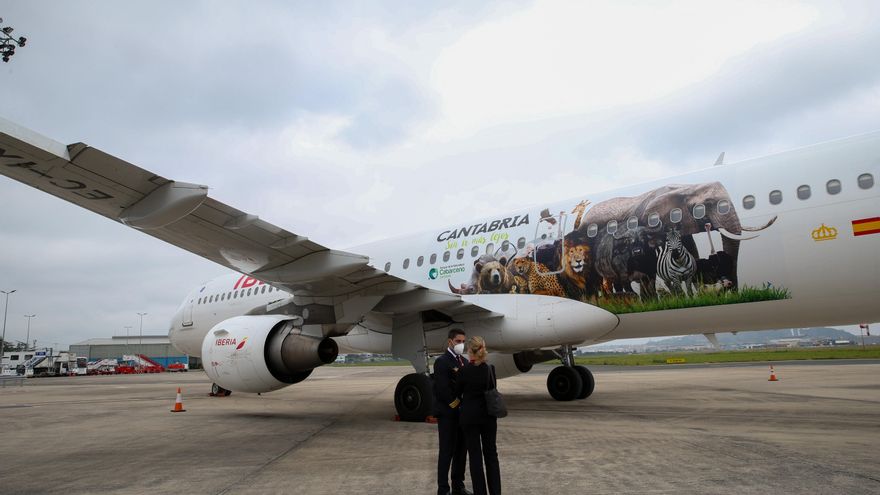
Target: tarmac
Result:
[707, 429]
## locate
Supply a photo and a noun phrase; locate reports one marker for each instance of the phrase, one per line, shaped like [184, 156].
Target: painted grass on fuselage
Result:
[669, 301]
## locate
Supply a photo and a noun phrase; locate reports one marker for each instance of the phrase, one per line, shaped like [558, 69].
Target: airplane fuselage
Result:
[787, 240]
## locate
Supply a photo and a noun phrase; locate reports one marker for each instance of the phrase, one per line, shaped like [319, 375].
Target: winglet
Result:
[720, 160]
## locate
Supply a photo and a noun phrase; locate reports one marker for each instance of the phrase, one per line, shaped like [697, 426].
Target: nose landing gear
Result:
[570, 381]
[218, 391]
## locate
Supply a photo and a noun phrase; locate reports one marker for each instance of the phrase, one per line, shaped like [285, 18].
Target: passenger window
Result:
[446, 256]
[249, 292]
[521, 243]
[222, 297]
[475, 251]
[460, 254]
[388, 266]
[505, 246]
[420, 261]
[775, 197]
[406, 263]
[675, 215]
[866, 181]
[699, 211]
[653, 219]
[490, 248]
[611, 227]
[724, 207]
[749, 202]
[592, 230]
[264, 290]
[803, 192]
[632, 223]
[433, 258]
[833, 186]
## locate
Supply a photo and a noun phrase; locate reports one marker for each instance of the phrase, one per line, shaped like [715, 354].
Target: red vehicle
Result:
[176, 367]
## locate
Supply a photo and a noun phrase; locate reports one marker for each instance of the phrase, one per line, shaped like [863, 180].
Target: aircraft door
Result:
[188, 313]
[549, 250]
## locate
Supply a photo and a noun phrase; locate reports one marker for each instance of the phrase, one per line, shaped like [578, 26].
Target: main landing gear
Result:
[414, 397]
[570, 381]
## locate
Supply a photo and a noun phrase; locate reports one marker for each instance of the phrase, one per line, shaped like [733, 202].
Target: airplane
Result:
[786, 240]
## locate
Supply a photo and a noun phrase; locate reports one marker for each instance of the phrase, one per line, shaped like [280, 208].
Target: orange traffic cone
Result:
[178, 404]
[772, 375]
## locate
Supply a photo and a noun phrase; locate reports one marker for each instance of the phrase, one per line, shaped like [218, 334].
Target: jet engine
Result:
[514, 364]
[263, 353]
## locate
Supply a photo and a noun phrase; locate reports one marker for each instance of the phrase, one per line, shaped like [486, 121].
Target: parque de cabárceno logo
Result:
[445, 271]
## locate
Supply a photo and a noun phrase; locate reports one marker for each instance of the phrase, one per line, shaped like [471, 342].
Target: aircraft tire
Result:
[564, 383]
[414, 397]
[589, 383]
[218, 391]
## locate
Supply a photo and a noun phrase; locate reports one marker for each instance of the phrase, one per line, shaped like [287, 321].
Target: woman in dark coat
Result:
[480, 429]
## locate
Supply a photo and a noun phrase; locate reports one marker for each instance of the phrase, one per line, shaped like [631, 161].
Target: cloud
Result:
[352, 122]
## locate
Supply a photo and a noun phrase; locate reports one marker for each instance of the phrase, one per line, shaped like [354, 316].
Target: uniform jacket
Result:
[473, 381]
[446, 370]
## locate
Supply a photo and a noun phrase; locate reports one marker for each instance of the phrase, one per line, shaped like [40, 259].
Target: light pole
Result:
[3, 338]
[141, 330]
[28, 331]
[126, 338]
[141, 338]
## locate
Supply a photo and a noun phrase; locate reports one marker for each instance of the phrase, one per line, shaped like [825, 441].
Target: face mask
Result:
[458, 349]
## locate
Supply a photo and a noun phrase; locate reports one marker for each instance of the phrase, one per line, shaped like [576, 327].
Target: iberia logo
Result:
[240, 345]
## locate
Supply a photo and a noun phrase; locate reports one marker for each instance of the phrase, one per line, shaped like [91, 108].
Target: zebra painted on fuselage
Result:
[676, 265]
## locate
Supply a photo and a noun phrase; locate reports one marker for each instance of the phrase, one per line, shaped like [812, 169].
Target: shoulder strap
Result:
[491, 382]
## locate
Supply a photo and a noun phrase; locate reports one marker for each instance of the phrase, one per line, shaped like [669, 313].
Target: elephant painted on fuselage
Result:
[690, 207]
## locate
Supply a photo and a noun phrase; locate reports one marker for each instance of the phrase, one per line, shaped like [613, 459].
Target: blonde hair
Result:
[477, 348]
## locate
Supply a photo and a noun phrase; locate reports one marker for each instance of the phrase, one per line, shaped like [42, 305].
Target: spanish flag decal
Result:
[866, 226]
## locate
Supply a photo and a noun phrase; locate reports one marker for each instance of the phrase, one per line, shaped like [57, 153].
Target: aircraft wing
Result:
[184, 215]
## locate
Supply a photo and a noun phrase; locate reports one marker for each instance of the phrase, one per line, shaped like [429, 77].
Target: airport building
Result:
[156, 347]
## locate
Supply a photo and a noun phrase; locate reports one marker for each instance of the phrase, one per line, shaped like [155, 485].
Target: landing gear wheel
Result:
[218, 391]
[564, 383]
[588, 382]
[413, 397]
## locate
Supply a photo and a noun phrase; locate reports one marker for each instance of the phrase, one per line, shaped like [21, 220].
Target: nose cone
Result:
[576, 322]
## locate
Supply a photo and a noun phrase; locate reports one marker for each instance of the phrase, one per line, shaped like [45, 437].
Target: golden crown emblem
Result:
[824, 233]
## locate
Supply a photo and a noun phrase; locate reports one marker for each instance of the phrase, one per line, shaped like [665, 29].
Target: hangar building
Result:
[156, 347]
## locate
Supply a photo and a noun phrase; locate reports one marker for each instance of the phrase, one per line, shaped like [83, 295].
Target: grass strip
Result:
[696, 357]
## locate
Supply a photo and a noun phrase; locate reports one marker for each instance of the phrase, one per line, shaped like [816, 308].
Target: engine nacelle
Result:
[514, 364]
[262, 353]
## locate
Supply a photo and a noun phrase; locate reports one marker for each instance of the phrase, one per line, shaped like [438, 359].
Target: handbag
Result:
[495, 405]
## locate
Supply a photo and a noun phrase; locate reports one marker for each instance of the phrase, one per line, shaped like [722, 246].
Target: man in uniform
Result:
[452, 444]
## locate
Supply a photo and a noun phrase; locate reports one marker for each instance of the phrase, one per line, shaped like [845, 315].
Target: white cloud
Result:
[562, 57]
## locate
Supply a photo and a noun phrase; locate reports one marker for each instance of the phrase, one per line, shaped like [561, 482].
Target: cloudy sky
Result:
[353, 121]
